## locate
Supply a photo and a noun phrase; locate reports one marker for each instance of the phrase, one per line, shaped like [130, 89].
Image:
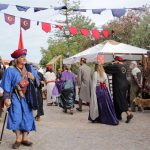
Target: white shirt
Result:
[49, 76]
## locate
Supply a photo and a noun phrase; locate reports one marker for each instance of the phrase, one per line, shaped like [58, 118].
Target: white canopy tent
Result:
[109, 49]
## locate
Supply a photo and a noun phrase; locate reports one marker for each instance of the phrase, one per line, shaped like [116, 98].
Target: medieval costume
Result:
[50, 78]
[84, 83]
[40, 110]
[67, 96]
[15, 84]
[136, 83]
[1, 95]
[120, 86]
[101, 105]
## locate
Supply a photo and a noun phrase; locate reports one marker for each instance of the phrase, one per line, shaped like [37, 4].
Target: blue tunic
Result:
[20, 115]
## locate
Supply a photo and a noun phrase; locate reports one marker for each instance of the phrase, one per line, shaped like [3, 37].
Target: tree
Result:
[141, 34]
[124, 28]
[67, 44]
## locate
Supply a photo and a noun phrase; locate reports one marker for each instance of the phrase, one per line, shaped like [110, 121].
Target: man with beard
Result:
[15, 83]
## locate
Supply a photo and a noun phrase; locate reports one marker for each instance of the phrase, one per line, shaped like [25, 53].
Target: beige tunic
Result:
[84, 82]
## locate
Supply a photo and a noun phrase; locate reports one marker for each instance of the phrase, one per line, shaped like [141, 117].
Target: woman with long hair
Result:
[101, 105]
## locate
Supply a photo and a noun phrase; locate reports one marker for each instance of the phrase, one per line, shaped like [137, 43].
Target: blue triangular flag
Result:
[22, 8]
[97, 11]
[36, 9]
[81, 10]
[3, 6]
[118, 12]
[59, 8]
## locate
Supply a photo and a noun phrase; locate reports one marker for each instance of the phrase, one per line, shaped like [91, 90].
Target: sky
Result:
[35, 38]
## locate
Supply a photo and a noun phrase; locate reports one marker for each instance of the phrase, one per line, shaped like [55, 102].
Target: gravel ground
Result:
[59, 131]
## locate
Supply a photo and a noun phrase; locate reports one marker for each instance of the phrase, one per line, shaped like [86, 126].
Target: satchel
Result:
[31, 92]
[31, 95]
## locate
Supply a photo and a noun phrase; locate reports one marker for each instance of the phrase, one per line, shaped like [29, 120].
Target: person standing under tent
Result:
[50, 78]
[136, 83]
[120, 86]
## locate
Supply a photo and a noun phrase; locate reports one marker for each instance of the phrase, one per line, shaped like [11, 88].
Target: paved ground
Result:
[59, 131]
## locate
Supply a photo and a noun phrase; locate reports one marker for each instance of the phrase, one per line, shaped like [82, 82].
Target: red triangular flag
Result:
[106, 33]
[59, 26]
[96, 34]
[46, 27]
[20, 44]
[84, 31]
[73, 30]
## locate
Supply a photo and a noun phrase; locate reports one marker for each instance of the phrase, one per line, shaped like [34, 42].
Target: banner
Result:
[96, 34]
[73, 30]
[46, 27]
[25, 23]
[84, 32]
[10, 19]
[100, 59]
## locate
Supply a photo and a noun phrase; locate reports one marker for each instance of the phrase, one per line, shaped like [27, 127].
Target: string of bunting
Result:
[47, 27]
[115, 12]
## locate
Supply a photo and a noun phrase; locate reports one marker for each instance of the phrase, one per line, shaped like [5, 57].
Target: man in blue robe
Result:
[15, 82]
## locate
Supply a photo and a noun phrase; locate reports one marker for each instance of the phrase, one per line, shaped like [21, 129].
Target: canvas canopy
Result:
[109, 49]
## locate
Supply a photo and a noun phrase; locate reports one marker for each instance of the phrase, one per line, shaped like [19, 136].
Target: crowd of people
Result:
[22, 86]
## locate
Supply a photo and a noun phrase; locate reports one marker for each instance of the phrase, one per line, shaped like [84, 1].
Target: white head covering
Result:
[134, 62]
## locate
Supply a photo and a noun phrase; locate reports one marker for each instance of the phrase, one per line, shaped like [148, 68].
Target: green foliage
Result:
[141, 34]
[72, 44]
[134, 28]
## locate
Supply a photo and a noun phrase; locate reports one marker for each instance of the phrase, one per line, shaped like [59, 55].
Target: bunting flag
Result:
[3, 6]
[139, 8]
[84, 32]
[73, 30]
[115, 12]
[20, 43]
[9, 19]
[59, 8]
[37, 23]
[59, 26]
[25, 23]
[105, 33]
[98, 11]
[96, 34]
[81, 10]
[22, 8]
[36, 9]
[100, 59]
[118, 12]
[46, 27]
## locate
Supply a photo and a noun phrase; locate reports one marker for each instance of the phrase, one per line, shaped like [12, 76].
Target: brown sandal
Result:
[16, 145]
[26, 143]
[65, 110]
[129, 117]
